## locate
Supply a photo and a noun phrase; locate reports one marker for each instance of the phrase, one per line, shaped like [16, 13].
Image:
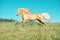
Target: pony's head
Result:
[22, 10]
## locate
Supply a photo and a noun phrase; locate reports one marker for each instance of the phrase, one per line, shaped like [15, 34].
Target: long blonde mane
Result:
[25, 10]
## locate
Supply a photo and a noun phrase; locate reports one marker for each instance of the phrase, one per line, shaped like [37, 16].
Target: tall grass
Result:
[10, 31]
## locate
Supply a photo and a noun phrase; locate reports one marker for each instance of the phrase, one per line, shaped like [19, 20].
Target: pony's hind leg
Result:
[42, 22]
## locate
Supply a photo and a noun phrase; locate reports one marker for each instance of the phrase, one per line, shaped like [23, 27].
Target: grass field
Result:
[31, 31]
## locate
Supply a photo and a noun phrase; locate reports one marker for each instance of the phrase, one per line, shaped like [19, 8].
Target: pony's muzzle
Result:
[16, 15]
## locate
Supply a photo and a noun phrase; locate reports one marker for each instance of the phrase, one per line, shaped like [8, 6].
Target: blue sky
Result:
[8, 8]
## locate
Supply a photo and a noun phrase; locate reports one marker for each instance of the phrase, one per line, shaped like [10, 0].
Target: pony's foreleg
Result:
[17, 22]
[23, 23]
[42, 21]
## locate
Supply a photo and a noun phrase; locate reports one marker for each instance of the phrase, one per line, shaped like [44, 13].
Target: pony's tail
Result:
[46, 16]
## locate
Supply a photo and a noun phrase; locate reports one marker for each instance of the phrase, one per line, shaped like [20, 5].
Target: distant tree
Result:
[6, 20]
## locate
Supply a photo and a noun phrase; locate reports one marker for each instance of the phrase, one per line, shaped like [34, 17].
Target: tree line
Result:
[6, 20]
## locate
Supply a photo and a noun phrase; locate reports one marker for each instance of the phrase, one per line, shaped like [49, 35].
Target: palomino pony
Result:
[27, 16]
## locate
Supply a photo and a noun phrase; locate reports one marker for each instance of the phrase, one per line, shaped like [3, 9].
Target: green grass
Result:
[30, 31]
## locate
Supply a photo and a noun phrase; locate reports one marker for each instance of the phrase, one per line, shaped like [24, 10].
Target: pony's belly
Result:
[32, 17]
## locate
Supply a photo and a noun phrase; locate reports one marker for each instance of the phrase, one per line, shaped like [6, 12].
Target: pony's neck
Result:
[23, 13]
